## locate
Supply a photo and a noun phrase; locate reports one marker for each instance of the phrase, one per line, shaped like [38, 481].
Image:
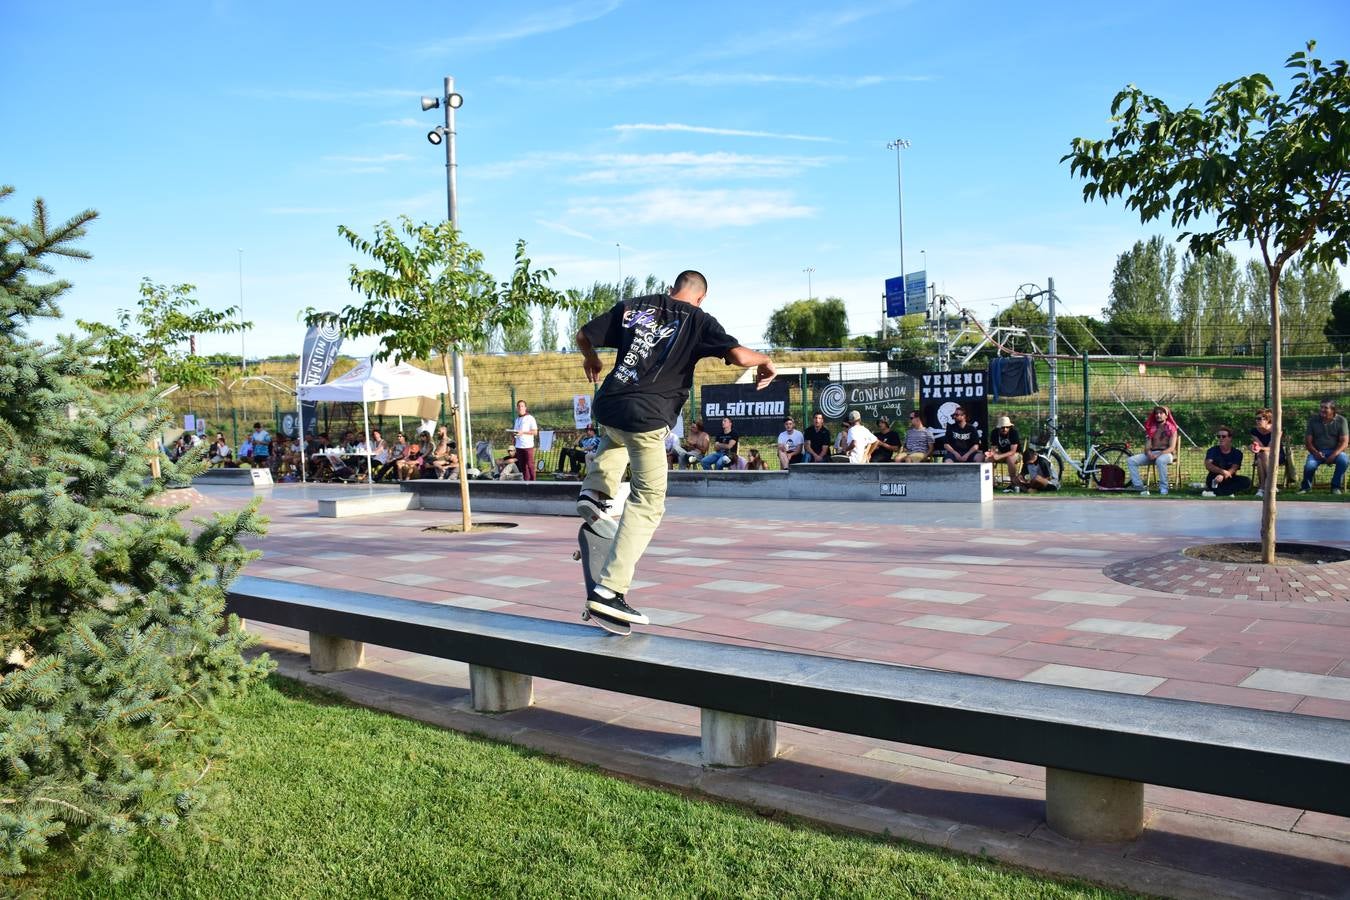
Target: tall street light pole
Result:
[618, 294]
[897, 145]
[241, 313]
[808, 270]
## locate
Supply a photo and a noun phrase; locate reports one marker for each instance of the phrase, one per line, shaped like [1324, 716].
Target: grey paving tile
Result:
[1329, 687]
[1097, 679]
[1072, 551]
[501, 559]
[914, 761]
[964, 560]
[511, 581]
[711, 540]
[412, 579]
[285, 571]
[656, 550]
[803, 621]
[668, 616]
[417, 557]
[933, 595]
[697, 562]
[994, 539]
[336, 554]
[949, 623]
[1088, 598]
[801, 554]
[493, 542]
[472, 601]
[854, 545]
[1129, 629]
[921, 572]
[738, 587]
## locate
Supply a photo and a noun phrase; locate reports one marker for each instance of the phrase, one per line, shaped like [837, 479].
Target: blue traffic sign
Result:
[895, 296]
[916, 292]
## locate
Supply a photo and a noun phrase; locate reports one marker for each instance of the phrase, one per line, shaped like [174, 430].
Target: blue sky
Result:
[747, 140]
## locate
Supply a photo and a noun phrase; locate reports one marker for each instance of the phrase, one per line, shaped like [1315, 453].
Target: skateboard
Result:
[592, 550]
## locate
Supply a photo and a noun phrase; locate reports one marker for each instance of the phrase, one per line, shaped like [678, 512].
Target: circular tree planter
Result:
[1304, 573]
[458, 527]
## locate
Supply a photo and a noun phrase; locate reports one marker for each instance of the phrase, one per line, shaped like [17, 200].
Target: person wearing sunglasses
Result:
[1223, 463]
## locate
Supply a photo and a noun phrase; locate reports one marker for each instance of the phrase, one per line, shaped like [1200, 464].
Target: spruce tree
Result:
[113, 644]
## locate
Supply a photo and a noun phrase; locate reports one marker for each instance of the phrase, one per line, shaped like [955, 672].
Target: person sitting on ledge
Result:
[1223, 463]
[859, 440]
[574, 459]
[756, 462]
[817, 440]
[1033, 475]
[1160, 434]
[888, 442]
[790, 444]
[1005, 446]
[1326, 440]
[725, 447]
[918, 440]
[1265, 427]
[962, 441]
[695, 445]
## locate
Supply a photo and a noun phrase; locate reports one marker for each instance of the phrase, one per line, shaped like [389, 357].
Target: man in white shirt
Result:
[525, 430]
[790, 442]
[860, 439]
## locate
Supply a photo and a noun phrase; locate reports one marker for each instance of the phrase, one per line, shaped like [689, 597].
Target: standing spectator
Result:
[1326, 440]
[696, 445]
[1223, 463]
[790, 443]
[918, 440]
[1005, 446]
[574, 459]
[756, 462]
[888, 442]
[262, 444]
[525, 430]
[817, 440]
[962, 441]
[725, 447]
[1265, 427]
[1035, 474]
[1160, 434]
[859, 441]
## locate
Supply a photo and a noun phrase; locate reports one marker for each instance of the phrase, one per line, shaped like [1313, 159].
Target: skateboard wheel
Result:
[576, 554]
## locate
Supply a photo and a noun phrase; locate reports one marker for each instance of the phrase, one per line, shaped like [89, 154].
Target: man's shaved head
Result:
[691, 281]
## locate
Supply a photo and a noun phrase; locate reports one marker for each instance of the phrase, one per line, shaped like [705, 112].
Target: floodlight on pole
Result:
[897, 145]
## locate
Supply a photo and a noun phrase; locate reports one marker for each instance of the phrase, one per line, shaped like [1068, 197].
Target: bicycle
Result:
[1114, 455]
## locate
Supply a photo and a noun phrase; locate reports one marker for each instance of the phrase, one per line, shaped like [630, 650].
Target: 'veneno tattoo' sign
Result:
[751, 412]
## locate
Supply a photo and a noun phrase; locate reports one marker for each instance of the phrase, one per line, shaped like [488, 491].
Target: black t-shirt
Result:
[1263, 438]
[1224, 460]
[818, 439]
[962, 439]
[729, 437]
[659, 340]
[1004, 442]
[889, 442]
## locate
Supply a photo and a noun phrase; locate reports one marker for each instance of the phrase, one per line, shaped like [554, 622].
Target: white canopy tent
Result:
[373, 382]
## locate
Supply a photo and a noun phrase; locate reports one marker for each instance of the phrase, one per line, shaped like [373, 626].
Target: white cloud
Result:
[710, 80]
[729, 132]
[558, 18]
[811, 32]
[696, 209]
[563, 228]
[630, 168]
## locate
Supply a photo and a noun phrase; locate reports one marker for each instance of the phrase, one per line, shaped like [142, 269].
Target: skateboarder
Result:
[659, 339]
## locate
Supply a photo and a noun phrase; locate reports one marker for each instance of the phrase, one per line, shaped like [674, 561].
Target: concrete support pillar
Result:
[334, 654]
[734, 740]
[496, 690]
[1093, 807]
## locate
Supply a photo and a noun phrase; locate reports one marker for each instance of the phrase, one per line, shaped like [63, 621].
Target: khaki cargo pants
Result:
[645, 452]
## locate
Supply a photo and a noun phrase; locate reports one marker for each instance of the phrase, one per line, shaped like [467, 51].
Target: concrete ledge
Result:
[893, 482]
[770, 485]
[532, 498]
[367, 504]
[241, 476]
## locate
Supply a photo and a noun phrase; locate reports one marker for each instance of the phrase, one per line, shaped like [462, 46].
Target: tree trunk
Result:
[464, 457]
[1277, 426]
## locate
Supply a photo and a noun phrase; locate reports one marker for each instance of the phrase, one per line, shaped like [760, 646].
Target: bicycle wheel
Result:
[1109, 456]
[1057, 464]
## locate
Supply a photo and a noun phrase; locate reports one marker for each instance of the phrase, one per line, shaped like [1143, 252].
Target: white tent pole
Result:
[365, 416]
[300, 429]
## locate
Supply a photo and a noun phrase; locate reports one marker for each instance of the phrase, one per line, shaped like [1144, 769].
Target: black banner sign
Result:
[751, 412]
[941, 392]
[316, 361]
[892, 397]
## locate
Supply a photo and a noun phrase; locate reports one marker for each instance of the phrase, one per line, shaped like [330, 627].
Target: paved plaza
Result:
[1014, 589]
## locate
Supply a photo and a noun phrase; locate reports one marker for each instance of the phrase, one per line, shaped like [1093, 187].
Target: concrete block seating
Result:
[1099, 748]
[240, 476]
[346, 506]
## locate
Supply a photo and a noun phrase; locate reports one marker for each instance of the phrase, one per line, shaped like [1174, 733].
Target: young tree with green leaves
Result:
[809, 324]
[1253, 166]
[548, 331]
[113, 644]
[1337, 329]
[1140, 308]
[428, 295]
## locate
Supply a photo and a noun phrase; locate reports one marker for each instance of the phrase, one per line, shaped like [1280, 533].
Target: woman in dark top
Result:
[1265, 422]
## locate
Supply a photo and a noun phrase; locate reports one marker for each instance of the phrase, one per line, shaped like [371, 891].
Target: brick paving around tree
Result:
[1030, 604]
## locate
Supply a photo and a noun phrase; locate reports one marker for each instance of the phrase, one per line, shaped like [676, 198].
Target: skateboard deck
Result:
[592, 549]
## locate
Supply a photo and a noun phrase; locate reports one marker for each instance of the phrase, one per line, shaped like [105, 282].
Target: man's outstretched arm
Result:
[590, 359]
[744, 356]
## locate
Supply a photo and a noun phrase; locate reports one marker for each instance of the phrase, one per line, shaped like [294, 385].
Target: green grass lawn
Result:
[326, 799]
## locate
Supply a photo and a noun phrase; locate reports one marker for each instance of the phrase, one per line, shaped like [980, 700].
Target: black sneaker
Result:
[598, 515]
[615, 608]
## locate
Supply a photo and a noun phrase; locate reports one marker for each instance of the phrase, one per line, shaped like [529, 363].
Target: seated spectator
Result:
[888, 442]
[860, 441]
[1264, 428]
[918, 440]
[695, 446]
[246, 451]
[817, 440]
[508, 469]
[1034, 474]
[756, 462]
[725, 448]
[1326, 440]
[220, 453]
[443, 461]
[1224, 463]
[962, 441]
[1160, 437]
[673, 451]
[790, 444]
[410, 466]
[1005, 446]
[574, 459]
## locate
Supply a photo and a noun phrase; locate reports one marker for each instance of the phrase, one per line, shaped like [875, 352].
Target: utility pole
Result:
[241, 313]
[808, 270]
[1054, 362]
[897, 145]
